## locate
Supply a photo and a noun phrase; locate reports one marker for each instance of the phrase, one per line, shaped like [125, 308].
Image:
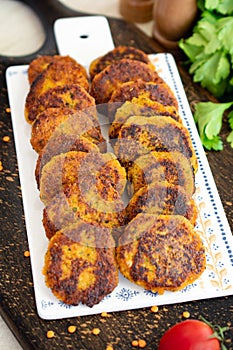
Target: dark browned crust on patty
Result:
[141, 135]
[109, 79]
[160, 253]
[67, 96]
[67, 208]
[170, 167]
[138, 106]
[82, 185]
[91, 171]
[162, 199]
[81, 144]
[57, 73]
[79, 131]
[157, 91]
[116, 55]
[53, 123]
[39, 64]
[80, 264]
[45, 124]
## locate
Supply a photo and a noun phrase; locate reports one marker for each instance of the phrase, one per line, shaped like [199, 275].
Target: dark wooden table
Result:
[17, 304]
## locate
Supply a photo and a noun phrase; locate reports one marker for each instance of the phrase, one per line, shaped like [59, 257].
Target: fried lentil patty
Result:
[45, 124]
[141, 135]
[81, 144]
[80, 132]
[140, 106]
[170, 167]
[67, 96]
[80, 265]
[162, 198]
[115, 55]
[109, 79]
[59, 173]
[84, 123]
[92, 171]
[160, 253]
[82, 185]
[57, 73]
[39, 64]
[67, 208]
[153, 90]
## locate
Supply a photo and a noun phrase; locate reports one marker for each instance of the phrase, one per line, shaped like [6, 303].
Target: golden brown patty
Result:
[61, 119]
[153, 90]
[141, 135]
[100, 173]
[81, 144]
[160, 198]
[56, 74]
[169, 167]
[160, 253]
[109, 79]
[45, 124]
[80, 132]
[39, 64]
[80, 265]
[140, 106]
[116, 55]
[61, 172]
[82, 185]
[66, 96]
[66, 208]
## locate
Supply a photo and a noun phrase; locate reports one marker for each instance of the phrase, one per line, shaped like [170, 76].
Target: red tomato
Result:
[189, 335]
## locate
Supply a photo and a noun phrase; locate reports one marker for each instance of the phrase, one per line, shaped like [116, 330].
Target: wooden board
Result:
[17, 305]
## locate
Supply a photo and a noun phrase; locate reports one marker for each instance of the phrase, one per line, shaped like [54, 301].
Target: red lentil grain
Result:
[50, 334]
[72, 329]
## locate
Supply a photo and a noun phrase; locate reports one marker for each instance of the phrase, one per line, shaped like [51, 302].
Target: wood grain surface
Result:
[17, 304]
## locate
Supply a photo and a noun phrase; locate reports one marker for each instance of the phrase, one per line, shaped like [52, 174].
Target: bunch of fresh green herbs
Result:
[210, 57]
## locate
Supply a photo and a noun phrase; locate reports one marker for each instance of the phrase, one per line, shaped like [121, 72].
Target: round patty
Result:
[53, 123]
[170, 167]
[139, 106]
[116, 55]
[91, 171]
[157, 91]
[79, 131]
[39, 64]
[162, 198]
[66, 96]
[57, 73]
[141, 135]
[82, 185]
[160, 253]
[109, 79]
[80, 264]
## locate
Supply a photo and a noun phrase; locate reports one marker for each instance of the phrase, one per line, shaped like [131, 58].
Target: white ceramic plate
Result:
[216, 281]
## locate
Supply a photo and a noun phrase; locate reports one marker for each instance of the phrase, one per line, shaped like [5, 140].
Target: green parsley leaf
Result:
[222, 6]
[191, 51]
[214, 144]
[208, 116]
[211, 4]
[230, 119]
[211, 73]
[210, 57]
[224, 29]
[207, 30]
[225, 7]
[230, 138]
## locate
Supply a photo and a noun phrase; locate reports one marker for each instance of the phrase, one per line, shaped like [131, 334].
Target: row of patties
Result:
[92, 231]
